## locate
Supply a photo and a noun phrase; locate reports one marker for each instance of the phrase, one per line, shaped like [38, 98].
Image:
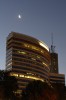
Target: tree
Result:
[60, 89]
[2, 93]
[2, 75]
[8, 84]
[38, 90]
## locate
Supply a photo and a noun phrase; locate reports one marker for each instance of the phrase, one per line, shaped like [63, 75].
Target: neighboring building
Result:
[54, 63]
[27, 58]
[54, 77]
[58, 82]
[57, 78]
[54, 59]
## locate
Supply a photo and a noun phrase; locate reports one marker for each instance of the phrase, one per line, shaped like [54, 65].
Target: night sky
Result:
[38, 18]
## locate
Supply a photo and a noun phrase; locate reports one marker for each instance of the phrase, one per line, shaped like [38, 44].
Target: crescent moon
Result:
[19, 16]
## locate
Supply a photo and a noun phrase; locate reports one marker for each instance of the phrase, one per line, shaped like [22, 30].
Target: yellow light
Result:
[21, 75]
[35, 78]
[42, 51]
[44, 64]
[25, 76]
[16, 75]
[21, 52]
[38, 57]
[44, 45]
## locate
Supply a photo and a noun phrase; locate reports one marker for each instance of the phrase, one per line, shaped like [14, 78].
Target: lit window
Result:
[44, 64]
[16, 75]
[33, 58]
[42, 51]
[21, 75]
[21, 52]
[35, 48]
[36, 78]
[30, 73]
[25, 45]
[38, 57]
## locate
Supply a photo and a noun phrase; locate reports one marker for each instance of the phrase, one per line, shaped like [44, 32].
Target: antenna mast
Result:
[52, 46]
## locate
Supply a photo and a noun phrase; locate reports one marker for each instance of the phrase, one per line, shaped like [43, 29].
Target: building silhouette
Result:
[55, 77]
[54, 60]
[27, 59]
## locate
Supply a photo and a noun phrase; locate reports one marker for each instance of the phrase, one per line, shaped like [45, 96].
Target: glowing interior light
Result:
[42, 51]
[21, 52]
[38, 57]
[21, 75]
[44, 45]
[33, 58]
[25, 76]
[44, 64]
[32, 77]
[16, 75]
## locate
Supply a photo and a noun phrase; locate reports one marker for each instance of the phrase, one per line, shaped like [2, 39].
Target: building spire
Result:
[52, 46]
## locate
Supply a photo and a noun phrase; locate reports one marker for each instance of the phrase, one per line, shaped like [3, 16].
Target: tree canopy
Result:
[8, 84]
[38, 90]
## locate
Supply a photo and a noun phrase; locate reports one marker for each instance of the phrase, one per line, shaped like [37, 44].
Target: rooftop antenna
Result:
[52, 46]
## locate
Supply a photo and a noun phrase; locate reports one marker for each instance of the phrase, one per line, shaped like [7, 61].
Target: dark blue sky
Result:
[39, 19]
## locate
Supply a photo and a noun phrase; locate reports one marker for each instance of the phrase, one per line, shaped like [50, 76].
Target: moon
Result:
[19, 16]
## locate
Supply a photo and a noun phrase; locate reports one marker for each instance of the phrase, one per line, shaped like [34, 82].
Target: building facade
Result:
[27, 58]
[54, 63]
[57, 78]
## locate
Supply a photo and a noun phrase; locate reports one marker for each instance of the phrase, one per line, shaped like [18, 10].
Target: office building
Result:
[27, 58]
[54, 59]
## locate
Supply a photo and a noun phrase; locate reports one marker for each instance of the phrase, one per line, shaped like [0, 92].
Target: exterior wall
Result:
[27, 58]
[54, 63]
[57, 78]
